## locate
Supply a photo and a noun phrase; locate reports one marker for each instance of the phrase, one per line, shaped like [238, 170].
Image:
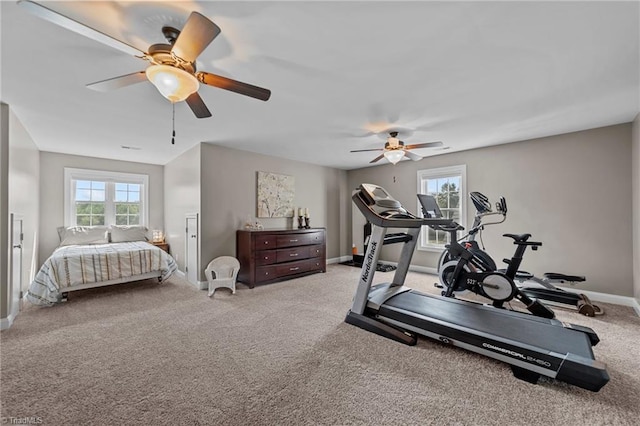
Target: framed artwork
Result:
[275, 195]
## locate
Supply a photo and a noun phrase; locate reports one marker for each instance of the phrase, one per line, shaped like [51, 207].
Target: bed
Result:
[80, 266]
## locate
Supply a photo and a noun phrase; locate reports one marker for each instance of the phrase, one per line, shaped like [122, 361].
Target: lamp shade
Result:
[173, 83]
[394, 155]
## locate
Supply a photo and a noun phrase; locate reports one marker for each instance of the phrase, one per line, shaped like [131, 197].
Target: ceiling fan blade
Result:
[376, 159]
[196, 35]
[75, 26]
[234, 86]
[118, 82]
[412, 156]
[367, 150]
[424, 145]
[197, 105]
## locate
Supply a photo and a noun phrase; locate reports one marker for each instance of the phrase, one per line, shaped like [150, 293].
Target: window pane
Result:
[97, 195]
[121, 220]
[134, 208]
[83, 208]
[83, 194]
[454, 200]
[83, 184]
[97, 208]
[97, 220]
[432, 186]
[121, 209]
[121, 196]
[121, 187]
[83, 220]
[134, 196]
[134, 220]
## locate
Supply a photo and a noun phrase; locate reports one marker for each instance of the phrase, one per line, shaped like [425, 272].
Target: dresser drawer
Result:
[264, 242]
[316, 251]
[315, 238]
[291, 254]
[291, 240]
[315, 264]
[266, 257]
[266, 273]
[292, 268]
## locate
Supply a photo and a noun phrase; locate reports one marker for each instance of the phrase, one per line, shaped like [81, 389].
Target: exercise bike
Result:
[467, 272]
[545, 289]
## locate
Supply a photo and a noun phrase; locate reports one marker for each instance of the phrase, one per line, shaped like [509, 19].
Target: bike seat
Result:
[518, 238]
[563, 277]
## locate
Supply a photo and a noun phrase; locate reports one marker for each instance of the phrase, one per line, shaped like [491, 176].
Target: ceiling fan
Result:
[395, 150]
[172, 68]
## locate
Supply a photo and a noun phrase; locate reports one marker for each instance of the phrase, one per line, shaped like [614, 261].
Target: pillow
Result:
[83, 235]
[123, 234]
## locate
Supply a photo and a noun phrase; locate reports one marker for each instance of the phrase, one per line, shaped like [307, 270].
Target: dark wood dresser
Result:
[275, 255]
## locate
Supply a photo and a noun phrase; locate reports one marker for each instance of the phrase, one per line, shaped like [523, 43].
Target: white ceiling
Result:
[469, 74]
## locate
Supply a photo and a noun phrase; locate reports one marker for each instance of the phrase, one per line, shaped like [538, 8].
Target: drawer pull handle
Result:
[266, 258]
[293, 241]
[294, 269]
[293, 254]
[266, 242]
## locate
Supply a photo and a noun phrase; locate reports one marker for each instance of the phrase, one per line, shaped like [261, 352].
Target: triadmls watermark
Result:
[24, 420]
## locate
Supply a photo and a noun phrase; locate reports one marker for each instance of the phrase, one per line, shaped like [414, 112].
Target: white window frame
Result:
[73, 174]
[442, 172]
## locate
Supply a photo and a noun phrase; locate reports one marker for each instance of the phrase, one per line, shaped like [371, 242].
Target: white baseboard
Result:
[606, 298]
[7, 322]
[339, 259]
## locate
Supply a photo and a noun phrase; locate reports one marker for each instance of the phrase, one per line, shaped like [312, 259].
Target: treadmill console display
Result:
[376, 195]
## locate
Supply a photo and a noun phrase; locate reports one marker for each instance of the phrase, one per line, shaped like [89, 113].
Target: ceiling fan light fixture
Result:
[173, 83]
[394, 155]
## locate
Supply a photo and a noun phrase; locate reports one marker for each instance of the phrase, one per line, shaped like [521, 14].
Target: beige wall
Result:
[635, 159]
[19, 171]
[229, 182]
[182, 197]
[52, 194]
[24, 190]
[572, 192]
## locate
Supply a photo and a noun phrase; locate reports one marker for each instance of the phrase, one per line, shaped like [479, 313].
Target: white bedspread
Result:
[75, 265]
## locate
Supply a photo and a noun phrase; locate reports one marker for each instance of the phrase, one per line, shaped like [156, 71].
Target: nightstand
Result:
[163, 246]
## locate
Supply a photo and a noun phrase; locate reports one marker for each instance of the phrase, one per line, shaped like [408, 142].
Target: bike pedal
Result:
[436, 285]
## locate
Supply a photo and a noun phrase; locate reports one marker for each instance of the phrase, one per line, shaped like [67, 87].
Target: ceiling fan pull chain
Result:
[173, 135]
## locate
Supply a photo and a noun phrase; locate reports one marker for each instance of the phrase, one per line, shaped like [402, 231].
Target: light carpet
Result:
[281, 354]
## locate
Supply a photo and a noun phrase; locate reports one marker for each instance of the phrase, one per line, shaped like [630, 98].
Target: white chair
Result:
[222, 272]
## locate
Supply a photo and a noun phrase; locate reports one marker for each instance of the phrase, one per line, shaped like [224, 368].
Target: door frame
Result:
[15, 289]
[200, 284]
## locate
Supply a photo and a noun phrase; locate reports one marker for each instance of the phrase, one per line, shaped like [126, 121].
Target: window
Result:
[94, 197]
[448, 186]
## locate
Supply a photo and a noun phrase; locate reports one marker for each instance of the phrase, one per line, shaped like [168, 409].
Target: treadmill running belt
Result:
[535, 331]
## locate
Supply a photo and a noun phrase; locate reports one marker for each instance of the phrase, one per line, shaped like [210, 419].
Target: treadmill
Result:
[533, 346]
